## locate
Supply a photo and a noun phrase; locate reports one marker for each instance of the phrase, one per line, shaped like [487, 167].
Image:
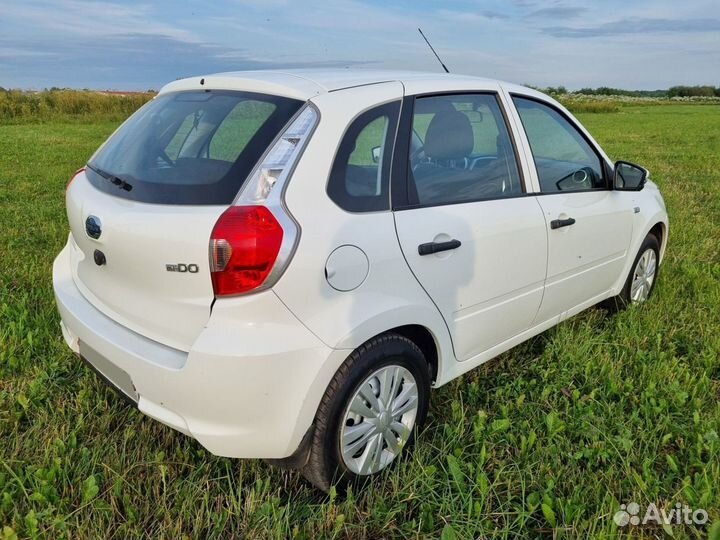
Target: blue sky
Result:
[642, 44]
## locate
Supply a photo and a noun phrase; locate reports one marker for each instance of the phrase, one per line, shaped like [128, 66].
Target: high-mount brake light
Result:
[252, 240]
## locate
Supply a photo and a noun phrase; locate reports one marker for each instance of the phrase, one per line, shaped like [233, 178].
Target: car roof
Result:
[307, 83]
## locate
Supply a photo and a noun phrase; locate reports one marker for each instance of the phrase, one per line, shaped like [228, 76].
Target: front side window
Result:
[359, 179]
[564, 160]
[193, 147]
[460, 151]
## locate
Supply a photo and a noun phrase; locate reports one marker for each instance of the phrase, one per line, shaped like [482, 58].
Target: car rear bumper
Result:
[248, 388]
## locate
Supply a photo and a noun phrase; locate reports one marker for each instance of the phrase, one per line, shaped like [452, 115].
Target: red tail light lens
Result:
[244, 246]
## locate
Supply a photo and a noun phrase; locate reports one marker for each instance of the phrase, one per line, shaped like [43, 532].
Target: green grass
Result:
[19, 107]
[577, 107]
[545, 441]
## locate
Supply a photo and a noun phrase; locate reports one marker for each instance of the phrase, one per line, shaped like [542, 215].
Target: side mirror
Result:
[376, 154]
[629, 177]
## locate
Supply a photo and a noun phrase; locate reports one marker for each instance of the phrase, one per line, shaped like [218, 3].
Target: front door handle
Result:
[436, 247]
[557, 223]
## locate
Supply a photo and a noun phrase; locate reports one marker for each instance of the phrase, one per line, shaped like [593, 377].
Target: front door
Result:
[589, 226]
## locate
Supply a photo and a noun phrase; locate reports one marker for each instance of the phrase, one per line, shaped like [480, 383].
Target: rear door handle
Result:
[436, 247]
[557, 223]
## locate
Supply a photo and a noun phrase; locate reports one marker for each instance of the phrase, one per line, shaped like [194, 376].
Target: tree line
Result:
[673, 91]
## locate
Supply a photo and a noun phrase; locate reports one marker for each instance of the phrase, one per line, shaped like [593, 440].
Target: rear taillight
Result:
[244, 246]
[254, 239]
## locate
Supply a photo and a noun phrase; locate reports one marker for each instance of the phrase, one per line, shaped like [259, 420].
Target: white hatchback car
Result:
[282, 264]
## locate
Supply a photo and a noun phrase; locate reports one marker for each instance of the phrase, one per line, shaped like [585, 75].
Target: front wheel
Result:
[643, 275]
[370, 412]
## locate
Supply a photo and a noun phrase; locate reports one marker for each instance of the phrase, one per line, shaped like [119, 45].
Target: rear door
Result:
[142, 212]
[589, 226]
[472, 236]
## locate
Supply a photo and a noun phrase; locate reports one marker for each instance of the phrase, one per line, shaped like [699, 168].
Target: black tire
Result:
[324, 466]
[623, 300]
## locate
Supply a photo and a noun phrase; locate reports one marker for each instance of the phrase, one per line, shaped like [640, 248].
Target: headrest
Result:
[449, 136]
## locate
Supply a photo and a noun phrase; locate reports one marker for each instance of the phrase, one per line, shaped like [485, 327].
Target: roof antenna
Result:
[433, 50]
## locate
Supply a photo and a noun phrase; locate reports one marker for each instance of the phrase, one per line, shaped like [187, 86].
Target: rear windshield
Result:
[189, 147]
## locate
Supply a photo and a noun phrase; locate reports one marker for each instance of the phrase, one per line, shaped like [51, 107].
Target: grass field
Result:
[545, 441]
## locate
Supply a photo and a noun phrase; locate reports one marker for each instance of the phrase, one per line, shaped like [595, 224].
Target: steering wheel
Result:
[579, 179]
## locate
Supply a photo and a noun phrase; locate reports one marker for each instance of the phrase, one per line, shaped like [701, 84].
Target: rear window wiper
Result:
[116, 180]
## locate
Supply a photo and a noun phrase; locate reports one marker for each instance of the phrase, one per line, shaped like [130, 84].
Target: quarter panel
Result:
[389, 296]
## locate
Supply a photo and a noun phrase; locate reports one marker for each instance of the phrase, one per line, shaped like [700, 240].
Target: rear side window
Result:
[190, 147]
[359, 179]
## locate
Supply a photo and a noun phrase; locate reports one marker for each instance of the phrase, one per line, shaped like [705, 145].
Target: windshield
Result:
[189, 147]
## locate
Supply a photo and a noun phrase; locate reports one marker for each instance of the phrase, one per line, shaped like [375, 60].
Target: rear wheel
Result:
[370, 412]
[643, 275]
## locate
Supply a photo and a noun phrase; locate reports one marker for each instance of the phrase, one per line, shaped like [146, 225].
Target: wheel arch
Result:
[659, 230]
[424, 339]
[422, 324]
[658, 225]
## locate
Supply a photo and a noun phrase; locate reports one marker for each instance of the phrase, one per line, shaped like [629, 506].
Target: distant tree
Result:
[555, 90]
[675, 91]
[689, 91]
[609, 91]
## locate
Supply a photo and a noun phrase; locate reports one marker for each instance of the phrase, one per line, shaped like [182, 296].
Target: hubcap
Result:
[643, 277]
[379, 420]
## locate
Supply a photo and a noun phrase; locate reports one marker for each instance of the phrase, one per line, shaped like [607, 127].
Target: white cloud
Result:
[83, 18]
